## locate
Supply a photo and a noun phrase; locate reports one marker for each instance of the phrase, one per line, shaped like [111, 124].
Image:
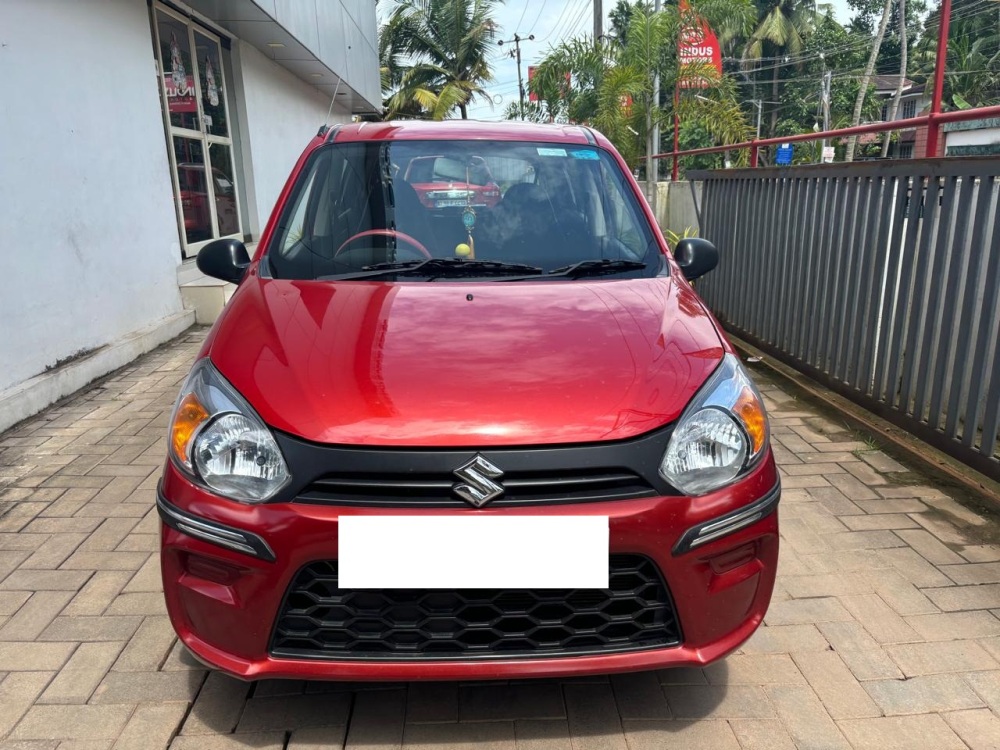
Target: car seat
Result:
[410, 215]
[528, 229]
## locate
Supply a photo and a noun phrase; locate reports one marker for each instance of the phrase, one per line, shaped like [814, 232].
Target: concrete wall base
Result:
[31, 396]
[675, 208]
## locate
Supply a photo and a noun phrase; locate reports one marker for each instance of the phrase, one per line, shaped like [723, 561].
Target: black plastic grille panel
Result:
[320, 621]
[435, 490]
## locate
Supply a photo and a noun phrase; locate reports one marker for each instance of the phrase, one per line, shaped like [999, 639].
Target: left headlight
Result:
[220, 442]
[722, 433]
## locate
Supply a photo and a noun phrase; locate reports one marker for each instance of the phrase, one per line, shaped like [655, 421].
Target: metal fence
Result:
[880, 280]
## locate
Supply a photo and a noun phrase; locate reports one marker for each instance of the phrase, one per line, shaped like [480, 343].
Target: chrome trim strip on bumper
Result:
[727, 524]
[212, 532]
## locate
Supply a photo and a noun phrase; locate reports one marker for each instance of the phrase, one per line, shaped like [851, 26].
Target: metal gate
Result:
[879, 279]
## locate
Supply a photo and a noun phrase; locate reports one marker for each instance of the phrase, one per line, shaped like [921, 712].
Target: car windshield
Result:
[489, 210]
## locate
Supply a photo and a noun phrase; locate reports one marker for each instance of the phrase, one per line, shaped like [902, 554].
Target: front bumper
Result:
[718, 555]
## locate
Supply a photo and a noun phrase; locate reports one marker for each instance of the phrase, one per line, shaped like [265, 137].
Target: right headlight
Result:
[721, 434]
[217, 439]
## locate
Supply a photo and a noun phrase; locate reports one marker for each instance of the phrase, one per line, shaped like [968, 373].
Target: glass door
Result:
[196, 114]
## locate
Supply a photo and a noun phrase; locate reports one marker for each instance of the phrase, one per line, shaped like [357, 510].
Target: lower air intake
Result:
[318, 620]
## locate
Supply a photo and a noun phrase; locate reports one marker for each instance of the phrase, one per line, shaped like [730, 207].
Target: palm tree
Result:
[449, 44]
[782, 27]
[903, 54]
[611, 83]
[859, 103]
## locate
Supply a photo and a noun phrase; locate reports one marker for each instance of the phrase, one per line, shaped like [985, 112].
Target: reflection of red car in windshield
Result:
[442, 182]
[194, 202]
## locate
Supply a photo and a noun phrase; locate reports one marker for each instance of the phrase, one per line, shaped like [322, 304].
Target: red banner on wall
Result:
[698, 51]
[532, 96]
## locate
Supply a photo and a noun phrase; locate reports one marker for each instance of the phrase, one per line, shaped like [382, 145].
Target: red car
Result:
[504, 442]
[442, 182]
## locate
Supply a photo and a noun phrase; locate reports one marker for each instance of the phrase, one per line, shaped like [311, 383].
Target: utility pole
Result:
[827, 81]
[516, 54]
[655, 141]
[598, 20]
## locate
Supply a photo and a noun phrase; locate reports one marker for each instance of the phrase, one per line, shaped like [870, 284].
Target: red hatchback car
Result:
[503, 441]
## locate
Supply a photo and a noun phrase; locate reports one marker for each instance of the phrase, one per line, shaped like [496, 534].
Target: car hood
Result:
[466, 364]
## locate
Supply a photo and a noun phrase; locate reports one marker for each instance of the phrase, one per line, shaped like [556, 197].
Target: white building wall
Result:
[88, 231]
[282, 114]
[978, 137]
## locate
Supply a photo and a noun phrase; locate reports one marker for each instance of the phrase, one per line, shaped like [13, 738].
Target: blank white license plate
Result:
[462, 552]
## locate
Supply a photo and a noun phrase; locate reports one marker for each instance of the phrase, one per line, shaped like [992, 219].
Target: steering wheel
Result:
[394, 233]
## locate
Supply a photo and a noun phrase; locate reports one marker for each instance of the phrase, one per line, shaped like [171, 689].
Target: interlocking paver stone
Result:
[901, 733]
[835, 685]
[979, 729]
[921, 695]
[933, 658]
[691, 735]
[887, 601]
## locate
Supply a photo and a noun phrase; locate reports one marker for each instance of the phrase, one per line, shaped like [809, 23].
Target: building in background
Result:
[912, 102]
[973, 138]
[132, 132]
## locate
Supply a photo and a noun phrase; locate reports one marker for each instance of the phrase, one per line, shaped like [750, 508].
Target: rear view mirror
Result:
[224, 259]
[695, 256]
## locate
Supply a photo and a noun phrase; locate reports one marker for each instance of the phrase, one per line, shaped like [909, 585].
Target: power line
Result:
[518, 24]
[540, 11]
[568, 10]
[972, 10]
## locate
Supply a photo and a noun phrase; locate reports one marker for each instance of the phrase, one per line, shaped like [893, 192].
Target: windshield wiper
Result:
[597, 268]
[437, 268]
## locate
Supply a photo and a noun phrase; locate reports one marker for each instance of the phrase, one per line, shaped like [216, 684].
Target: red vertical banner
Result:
[698, 51]
[532, 96]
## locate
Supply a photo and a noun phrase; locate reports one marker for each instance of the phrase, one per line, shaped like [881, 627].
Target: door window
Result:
[196, 114]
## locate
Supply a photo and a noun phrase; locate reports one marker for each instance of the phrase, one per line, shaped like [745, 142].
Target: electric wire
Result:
[517, 25]
[541, 10]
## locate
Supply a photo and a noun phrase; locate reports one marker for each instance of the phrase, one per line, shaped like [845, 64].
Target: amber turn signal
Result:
[189, 417]
[751, 413]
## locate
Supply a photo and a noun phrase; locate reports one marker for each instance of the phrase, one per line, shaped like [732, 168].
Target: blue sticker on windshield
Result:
[542, 151]
[589, 155]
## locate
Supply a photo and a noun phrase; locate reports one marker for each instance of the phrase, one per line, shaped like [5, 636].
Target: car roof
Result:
[464, 130]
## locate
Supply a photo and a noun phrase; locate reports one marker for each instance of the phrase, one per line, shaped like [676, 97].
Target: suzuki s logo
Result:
[477, 486]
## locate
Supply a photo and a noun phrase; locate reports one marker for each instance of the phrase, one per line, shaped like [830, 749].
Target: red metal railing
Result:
[877, 127]
[931, 121]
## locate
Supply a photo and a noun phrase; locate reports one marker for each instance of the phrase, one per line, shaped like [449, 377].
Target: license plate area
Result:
[473, 552]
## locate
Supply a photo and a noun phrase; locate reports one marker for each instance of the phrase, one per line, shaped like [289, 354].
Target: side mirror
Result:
[695, 256]
[224, 259]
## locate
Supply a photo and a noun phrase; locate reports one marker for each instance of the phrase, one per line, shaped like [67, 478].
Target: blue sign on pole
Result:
[784, 155]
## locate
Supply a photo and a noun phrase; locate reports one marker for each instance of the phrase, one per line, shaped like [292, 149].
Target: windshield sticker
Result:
[589, 155]
[551, 151]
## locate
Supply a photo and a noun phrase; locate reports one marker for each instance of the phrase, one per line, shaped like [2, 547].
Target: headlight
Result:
[220, 442]
[722, 433]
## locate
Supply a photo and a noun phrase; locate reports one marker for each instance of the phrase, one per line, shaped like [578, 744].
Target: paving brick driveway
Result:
[883, 632]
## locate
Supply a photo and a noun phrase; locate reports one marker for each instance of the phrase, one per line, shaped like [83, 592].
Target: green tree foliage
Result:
[866, 18]
[609, 84]
[446, 46]
[973, 53]
[781, 30]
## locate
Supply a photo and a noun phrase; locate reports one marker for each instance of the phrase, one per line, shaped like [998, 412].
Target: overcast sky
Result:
[551, 21]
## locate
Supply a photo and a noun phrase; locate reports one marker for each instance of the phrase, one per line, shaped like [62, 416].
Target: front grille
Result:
[320, 621]
[424, 477]
[435, 490]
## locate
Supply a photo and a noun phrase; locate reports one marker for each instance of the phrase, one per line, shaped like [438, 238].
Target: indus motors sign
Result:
[698, 52]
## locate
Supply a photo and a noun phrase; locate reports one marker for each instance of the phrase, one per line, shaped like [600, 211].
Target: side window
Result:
[302, 221]
[296, 228]
[623, 223]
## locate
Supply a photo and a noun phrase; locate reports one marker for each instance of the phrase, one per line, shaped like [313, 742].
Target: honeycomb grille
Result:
[320, 621]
